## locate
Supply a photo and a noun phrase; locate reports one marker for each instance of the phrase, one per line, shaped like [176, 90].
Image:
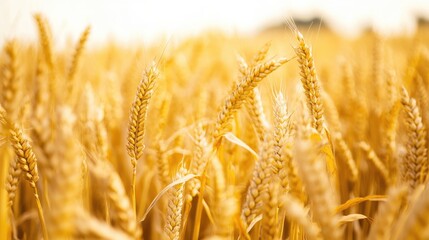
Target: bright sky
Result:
[149, 19]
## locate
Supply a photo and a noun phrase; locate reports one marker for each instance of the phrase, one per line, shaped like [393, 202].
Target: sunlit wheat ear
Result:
[138, 113]
[27, 161]
[296, 212]
[281, 122]
[10, 79]
[252, 205]
[256, 112]
[225, 206]
[174, 210]
[254, 102]
[309, 79]
[66, 189]
[416, 221]
[283, 164]
[89, 227]
[322, 196]
[45, 39]
[76, 59]
[373, 158]
[387, 214]
[240, 93]
[136, 126]
[199, 158]
[414, 166]
[12, 180]
[119, 200]
[270, 219]
[78, 53]
[261, 54]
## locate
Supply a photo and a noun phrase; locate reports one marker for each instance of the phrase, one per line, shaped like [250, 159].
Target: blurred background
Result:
[148, 20]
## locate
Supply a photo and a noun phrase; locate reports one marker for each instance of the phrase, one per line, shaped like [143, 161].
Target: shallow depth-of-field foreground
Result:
[287, 135]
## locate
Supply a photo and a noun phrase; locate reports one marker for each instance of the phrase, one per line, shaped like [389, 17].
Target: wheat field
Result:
[288, 134]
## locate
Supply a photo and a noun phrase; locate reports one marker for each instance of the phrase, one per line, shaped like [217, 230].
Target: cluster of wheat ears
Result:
[215, 140]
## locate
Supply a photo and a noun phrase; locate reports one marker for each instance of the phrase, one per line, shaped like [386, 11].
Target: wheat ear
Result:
[89, 227]
[373, 158]
[256, 112]
[199, 159]
[10, 79]
[387, 214]
[415, 164]
[417, 222]
[174, 210]
[309, 80]
[322, 196]
[27, 162]
[241, 91]
[13, 180]
[258, 184]
[270, 220]
[136, 127]
[66, 189]
[296, 212]
[78, 51]
[225, 204]
[120, 202]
